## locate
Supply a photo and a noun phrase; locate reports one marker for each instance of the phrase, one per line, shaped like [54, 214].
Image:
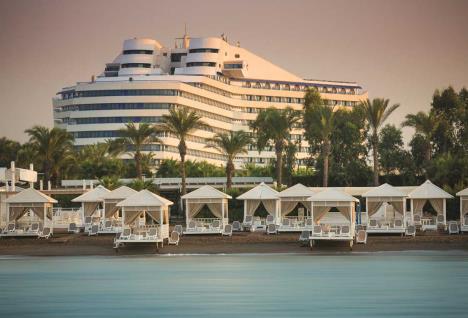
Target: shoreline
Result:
[239, 243]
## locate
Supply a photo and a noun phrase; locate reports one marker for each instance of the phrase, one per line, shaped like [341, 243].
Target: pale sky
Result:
[401, 50]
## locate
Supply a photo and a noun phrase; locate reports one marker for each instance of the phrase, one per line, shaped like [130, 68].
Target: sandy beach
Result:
[81, 244]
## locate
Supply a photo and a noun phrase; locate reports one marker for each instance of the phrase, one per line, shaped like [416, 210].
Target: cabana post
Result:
[463, 194]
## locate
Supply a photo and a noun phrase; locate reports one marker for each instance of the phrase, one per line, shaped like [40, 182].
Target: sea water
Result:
[403, 284]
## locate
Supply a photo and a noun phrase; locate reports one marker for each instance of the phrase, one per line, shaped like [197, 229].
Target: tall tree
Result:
[424, 125]
[8, 151]
[180, 122]
[392, 155]
[319, 127]
[53, 149]
[376, 113]
[231, 145]
[134, 137]
[275, 125]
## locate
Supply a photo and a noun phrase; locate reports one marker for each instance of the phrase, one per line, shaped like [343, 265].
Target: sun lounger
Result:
[11, 227]
[227, 230]
[107, 226]
[248, 222]
[440, 221]
[317, 230]
[34, 228]
[309, 223]
[236, 226]
[174, 238]
[411, 230]
[398, 223]
[361, 237]
[94, 230]
[192, 226]
[345, 231]
[270, 219]
[286, 222]
[216, 225]
[373, 223]
[271, 228]
[125, 235]
[152, 234]
[466, 219]
[453, 228]
[179, 229]
[304, 238]
[46, 233]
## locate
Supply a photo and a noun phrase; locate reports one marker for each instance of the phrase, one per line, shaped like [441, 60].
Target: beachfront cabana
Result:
[333, 228]
[19, 205]
[111, 221]
[386, 210]
[92, 206]
[463, 194]
[145, 218]
[291, 198]
[261, 194]
[216, 202]
[429, 192]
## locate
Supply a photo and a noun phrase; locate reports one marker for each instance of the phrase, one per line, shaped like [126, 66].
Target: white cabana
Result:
[289, 200]
[335, 229]
[436, 197]
[29, 200]
[216, 201]
[463, 194]
[382, 199]
[92, 206]
[252, 199]
[136, 211]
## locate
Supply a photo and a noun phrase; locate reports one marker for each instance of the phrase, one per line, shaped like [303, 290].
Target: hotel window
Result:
[204, 50]
[131, 65]
[194, 64]
[237, 56]
[148, 52]
[177, 57]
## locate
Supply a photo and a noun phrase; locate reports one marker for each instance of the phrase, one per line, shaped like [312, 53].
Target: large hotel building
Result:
[224, 83]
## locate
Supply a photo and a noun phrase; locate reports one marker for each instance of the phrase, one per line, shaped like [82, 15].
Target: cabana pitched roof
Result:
[332, 195]
[144, 198]
[428, 190]
[95, 195]
[463, 193]
[385, 190]
[297, 190]
[30, 196]
[120, 193]
[206, 192]
[260, 192]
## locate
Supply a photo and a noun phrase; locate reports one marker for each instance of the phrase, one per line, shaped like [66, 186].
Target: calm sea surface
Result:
[404, 284]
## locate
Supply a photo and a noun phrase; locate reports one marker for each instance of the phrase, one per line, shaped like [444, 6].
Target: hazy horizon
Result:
[401, 50]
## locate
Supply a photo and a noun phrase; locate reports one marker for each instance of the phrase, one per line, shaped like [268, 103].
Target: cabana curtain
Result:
[17, 212]
[39, 211]
[346, 211]
[464, 206]
[373, 207]
[418, 205]
[287, 207]
[90, 208]
[194, 208]
[110, 209]
[251, 206]
[155, 215]
[398, 206]
[270, 206]
[131, 216]
[319, 212]
[216, 209]
[438, 205]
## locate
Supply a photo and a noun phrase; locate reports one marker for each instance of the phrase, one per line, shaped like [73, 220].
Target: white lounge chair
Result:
[34, 228]
[411, 230]
[126, 234]
[271, 228]
[286, 222]
[179, 229]
[453, 228]
[361, 237]
[373, 224]
[152, 234]
[309, 223]
[236, 226]
[107, 226]
[398, 223]
[94, 230]
[174, 238]
[227, 230]
[45, 234]
[345, 230]
[216, 225]
[304, 238]
[11, 227]
[440, 220]
[248, 222]
[270, 219]
[72, 228]
[317, 230]
[417, 219]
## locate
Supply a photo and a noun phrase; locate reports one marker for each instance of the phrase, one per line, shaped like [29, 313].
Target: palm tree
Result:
[134, 137]
[319, 125]
[231, 145]
[376, 112]
[275, 125]
[53, 149]
[425, 125]
[180, 122]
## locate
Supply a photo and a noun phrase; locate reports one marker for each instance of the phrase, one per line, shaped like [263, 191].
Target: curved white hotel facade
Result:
[226, 84]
